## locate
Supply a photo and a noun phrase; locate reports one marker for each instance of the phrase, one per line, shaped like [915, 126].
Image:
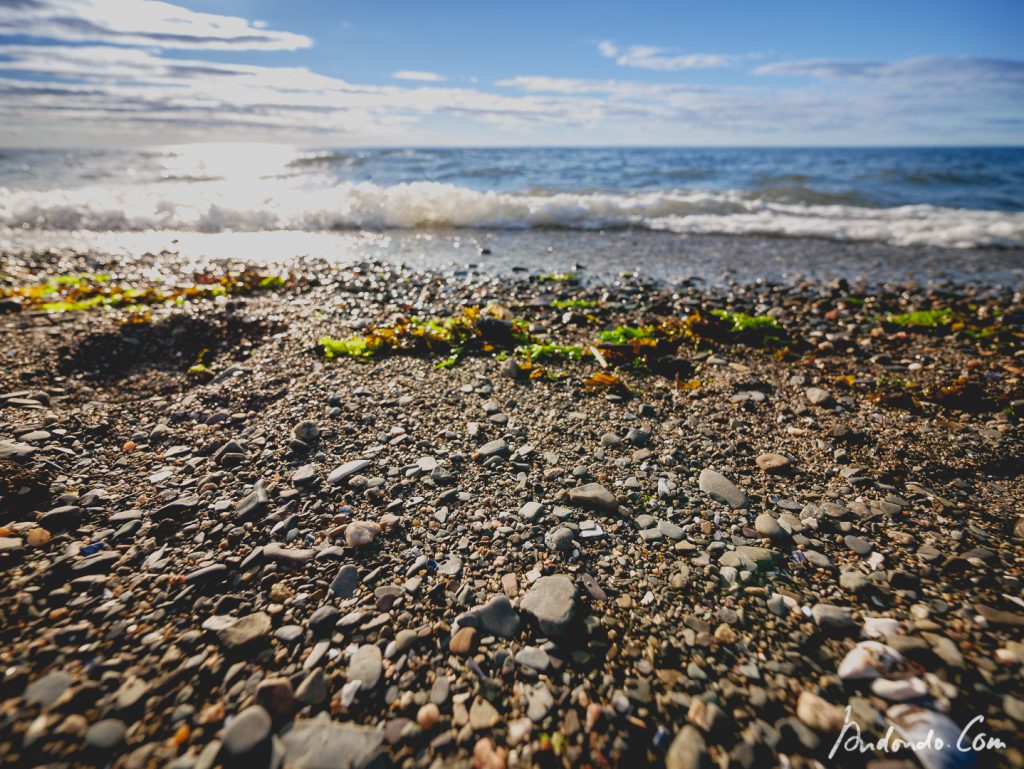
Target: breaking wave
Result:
[276, 205]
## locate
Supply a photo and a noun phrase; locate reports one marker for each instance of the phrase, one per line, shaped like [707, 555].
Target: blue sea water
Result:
[948, 197]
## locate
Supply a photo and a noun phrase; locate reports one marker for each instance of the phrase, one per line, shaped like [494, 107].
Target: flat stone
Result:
[818, 397]
[718, 487]
[773, 463]
[594, 496]
[533, 658]
[671, 530]
[493, 448]
[559, 539]
[766, 526]
[342, 473]
[323, 620]
[345, 581]
[834, 620]
[552, 602]
[252, 503]
[291, 557]
[305, 476]
[320, 743]
[276, 695]
[366, 665]
[313, 689]
[687, 751]
[858, 545]
[482, 715]
[15, 450]
[45, 691]
[247, 734]
[106, 734]
[750, 557]
[463, 641]
[498, 617]
[531, 511]
[245, 630]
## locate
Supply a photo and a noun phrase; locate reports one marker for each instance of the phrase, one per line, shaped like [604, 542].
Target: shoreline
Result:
[215, 546]
[600, 255]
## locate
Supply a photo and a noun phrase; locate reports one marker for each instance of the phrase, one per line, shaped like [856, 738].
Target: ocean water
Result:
[943, 198]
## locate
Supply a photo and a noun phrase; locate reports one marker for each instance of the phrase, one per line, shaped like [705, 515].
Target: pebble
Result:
[687, 751]
[107, 734]
[595, 497]
[366, 666]
[343, 472]
[245, 630]
[720, 488]
[769, 528]
[482, 715]
[345, 581]
[552, 602]
[559, 539]
[818, 396]
[247, 734]
[361, 533]
[320, 743]
[773, 463]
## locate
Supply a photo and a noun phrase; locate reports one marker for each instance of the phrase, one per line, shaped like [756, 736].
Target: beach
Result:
[489, 497]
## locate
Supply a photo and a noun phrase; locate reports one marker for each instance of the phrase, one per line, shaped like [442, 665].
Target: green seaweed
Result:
[541, 352]
[575, 304]
[626, 334]
[741, 323]
[350, 347]
[923, 318]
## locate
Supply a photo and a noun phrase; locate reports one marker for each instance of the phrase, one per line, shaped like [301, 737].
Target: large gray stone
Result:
[687, 751]
[594, 496]
[366, 665]
[319, 743]
[245, 630]
[717, 486]
[552, 602]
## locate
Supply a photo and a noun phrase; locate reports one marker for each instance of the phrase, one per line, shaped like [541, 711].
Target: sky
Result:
[334, 73]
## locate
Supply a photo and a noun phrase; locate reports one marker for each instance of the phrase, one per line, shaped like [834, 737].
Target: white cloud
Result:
[417, 75]
[140, 22]
[116, 83]
[663, 59]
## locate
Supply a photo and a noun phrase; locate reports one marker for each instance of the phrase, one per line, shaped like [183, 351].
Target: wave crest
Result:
[215, 207]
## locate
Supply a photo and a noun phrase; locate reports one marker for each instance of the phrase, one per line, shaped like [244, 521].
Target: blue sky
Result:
[323, 73]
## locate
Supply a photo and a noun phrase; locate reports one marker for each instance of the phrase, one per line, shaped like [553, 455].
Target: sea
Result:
[752, 211]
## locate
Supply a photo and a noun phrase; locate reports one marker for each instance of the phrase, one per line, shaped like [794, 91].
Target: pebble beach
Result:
[329, 515]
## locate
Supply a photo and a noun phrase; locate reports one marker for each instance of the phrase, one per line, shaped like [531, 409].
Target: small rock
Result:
[717, 486]
[361, 533]
[773, 463]
[552, 602]
[594, 496]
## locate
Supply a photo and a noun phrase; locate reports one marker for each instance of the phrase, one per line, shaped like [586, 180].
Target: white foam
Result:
[284, 205]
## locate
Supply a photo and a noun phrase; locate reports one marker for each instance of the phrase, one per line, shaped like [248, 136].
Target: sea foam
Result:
[283, 205]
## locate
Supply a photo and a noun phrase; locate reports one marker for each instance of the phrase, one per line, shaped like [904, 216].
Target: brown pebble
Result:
[463, 642]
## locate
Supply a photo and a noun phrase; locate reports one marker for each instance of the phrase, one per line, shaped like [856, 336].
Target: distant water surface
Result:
[958, 198]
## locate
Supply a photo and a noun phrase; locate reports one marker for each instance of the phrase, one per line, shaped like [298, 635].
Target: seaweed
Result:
[575, 304]
[547, 351]
[626, 334]
[81, 292]
[928, 319]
